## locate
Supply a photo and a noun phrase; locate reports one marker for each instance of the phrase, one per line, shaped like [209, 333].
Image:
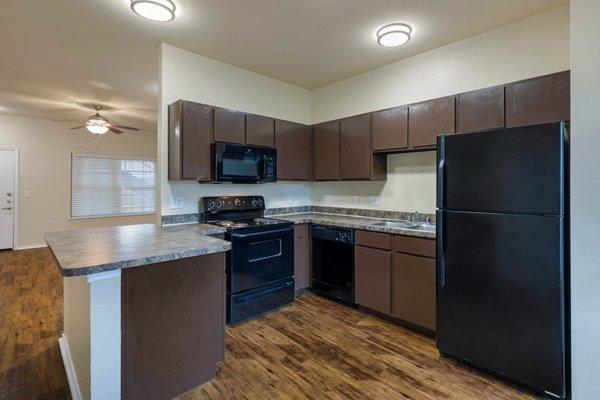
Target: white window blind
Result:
[105, 186]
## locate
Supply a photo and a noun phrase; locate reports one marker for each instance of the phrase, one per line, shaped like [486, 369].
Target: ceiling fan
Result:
[99, 125]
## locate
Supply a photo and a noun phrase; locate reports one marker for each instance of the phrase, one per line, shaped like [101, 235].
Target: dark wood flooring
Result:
[317, 349]
[31, 309]
[314, 349]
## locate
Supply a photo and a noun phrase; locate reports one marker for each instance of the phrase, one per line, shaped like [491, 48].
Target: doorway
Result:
[8, 198]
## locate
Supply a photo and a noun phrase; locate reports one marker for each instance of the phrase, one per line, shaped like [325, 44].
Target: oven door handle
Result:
[245, 235]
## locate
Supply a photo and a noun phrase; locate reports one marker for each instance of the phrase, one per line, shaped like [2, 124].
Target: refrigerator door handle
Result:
[441, 169]
[441, 251]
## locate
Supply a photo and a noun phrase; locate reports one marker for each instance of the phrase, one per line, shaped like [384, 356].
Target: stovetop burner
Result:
[245, 223]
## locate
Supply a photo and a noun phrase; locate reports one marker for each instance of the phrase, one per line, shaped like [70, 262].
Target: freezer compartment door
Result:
[515, 170]
[500, 295]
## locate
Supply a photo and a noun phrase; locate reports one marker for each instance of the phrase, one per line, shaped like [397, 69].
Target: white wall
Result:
[188, 76]
[531, 47]
[585, 197]
[45, 149]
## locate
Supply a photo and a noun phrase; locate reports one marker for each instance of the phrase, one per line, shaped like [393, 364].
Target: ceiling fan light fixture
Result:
[393, 35]
[96, 126]
[154, 10]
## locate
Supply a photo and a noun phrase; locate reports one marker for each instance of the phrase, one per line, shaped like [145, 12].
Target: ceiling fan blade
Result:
[78, 127]
[114, 130]
[125, 127]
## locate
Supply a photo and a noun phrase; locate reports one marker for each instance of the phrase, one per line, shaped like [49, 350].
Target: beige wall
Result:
[527, 48]
[585, 197]
[45, 149]
[188, 76]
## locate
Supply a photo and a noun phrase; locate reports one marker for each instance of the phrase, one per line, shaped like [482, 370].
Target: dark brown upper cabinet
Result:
[292, 142]
[480, 109]
[539, 100]
[190, 137]
[429, 119]
[326, 151]
[390, 129]
[260, 131]
[355, 147]
[229, 126]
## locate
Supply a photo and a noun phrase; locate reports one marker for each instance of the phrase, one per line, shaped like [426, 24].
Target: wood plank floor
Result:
[317, 349]
[31, 308]
[314, 349]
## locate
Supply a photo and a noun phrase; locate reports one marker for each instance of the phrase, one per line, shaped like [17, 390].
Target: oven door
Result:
[237, 164]
[260, 258]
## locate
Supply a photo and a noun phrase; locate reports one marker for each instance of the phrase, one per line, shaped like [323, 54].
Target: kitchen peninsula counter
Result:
[144, 308]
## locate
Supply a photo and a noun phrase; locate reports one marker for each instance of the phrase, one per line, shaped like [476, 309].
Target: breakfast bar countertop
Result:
[89, 251]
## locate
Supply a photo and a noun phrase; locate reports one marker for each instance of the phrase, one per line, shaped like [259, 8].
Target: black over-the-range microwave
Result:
[236, 163]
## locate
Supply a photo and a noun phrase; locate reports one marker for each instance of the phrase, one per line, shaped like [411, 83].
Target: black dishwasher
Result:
[333, 263]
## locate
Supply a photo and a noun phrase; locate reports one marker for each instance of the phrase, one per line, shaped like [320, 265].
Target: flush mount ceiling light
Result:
[154, 10]
[393, 35]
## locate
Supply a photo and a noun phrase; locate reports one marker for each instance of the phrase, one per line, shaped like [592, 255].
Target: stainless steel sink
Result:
[422, 226]
[397, 224]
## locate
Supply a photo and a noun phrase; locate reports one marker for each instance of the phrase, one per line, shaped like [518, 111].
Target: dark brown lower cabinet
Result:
[413, 289]
[372, 269]
[173, 326]
[301, 258]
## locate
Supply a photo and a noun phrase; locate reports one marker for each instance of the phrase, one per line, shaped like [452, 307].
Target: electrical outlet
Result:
[288, 198]
[355, 199]
[327, 197]
[26, 194]
[176, 202]
[48, 222]
[374, 200]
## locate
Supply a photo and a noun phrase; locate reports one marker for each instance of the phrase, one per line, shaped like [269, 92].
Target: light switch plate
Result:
[26, 194]
[288, 198]
[374, 200]
[327, 197]
[176, 202]
[355, 199]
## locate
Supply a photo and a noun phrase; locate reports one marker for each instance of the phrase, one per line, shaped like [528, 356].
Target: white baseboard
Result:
[31, 246]
[69, 368]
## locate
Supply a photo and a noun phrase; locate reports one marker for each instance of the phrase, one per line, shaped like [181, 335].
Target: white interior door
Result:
[7, 198]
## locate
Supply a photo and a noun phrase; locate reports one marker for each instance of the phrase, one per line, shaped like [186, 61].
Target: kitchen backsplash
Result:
[359, 212]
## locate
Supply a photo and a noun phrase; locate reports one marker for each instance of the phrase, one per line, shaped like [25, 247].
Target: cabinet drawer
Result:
[377, 240]
[373, 278]
[414, 245]
[413, 290]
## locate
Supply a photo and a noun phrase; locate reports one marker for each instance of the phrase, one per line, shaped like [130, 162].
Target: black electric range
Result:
[260, 265]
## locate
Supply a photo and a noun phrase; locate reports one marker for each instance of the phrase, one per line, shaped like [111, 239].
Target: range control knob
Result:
[254, 202]
[237, 202]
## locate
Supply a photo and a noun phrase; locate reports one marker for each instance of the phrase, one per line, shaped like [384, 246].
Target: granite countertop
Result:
[349, 221]
[89, 251]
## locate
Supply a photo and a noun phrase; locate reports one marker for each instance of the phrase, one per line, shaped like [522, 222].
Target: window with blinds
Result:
[105, 186]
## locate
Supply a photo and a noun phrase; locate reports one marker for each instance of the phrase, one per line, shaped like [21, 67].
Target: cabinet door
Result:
[326, 151]
[539, 100]
[481, 109]
[230, 126]
[390, 129]
[355, 147]
[413, 296]
[260, 131]
[190, 137]
[429, 119]
[292, 142]
[301, 257]
[372, 272]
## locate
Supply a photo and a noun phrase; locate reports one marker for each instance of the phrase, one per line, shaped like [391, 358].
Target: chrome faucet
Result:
[415, 217]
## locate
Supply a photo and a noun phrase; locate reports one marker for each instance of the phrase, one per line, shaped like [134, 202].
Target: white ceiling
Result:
[59, 57]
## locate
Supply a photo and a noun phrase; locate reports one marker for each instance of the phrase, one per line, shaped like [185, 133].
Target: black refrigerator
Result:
[502, 253]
